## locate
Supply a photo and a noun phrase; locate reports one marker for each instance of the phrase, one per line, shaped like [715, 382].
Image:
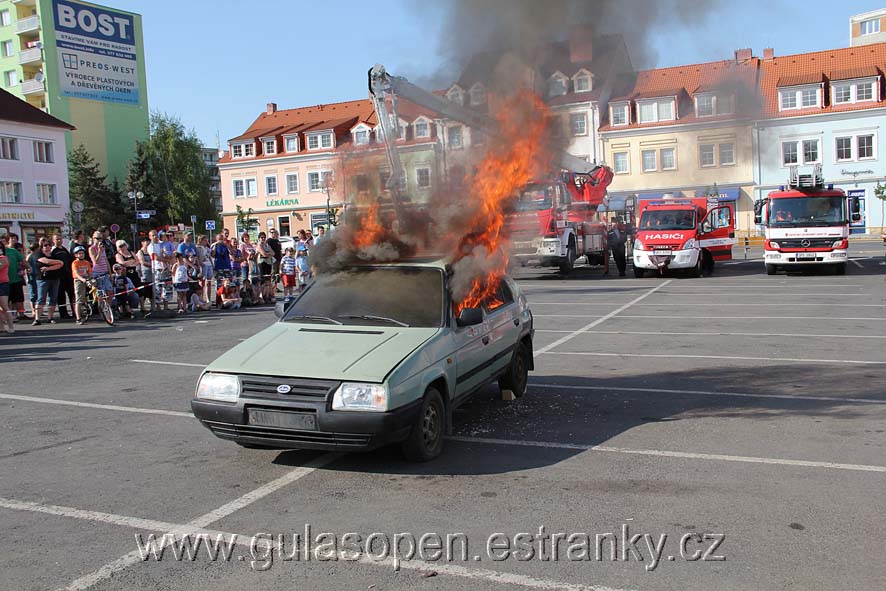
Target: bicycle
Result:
[96, 299]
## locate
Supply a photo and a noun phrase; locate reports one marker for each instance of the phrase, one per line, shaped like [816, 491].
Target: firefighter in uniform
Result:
[617, 238]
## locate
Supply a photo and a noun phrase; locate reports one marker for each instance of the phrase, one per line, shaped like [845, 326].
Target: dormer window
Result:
[870, 26]
[582, 81]
[799, 98]
[478, 94]
[320, 141]
[291, 143]
[269, 145]
[655, 110]
[248, 150]
[708, 105]
[618, 114]
[846, 92]
[237, 151]
[557, 85]
[242, 150]
[456, 95]
[421, 128]
[361, 135]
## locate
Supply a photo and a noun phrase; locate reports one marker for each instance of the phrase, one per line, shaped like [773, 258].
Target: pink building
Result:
[34, 197]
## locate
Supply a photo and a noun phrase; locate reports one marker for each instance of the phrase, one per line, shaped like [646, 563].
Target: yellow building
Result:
[687, 131]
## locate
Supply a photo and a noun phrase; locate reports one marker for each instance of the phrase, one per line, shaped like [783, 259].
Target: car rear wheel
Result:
[425, 441]
[517, 376]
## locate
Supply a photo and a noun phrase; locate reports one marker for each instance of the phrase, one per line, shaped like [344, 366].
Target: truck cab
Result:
[806, 224]
[683, 234]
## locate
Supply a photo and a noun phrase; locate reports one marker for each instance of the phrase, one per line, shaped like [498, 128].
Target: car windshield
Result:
[535, 197]
[807, 211]
[373, 296]
[667, 220]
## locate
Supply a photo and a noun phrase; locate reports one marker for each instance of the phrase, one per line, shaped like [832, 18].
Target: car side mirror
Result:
[469, 317]
[280, 309]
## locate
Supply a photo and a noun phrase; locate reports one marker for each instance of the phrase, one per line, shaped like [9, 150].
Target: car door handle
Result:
[485, 340]
[516, 322]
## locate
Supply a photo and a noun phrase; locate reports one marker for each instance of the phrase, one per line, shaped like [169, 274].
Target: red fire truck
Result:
[683, 233]
[554, 223]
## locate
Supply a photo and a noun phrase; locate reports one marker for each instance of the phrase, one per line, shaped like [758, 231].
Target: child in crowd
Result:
[81, 269]
[198, 304]
[124, 291]
[288, 270]
[247, 294]
[301, 264]
[229, 295]
[180, 282]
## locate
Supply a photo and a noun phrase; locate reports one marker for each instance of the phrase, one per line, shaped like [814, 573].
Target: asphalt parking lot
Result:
[736, 422]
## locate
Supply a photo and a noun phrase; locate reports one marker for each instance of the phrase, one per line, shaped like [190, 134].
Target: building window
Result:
[270, 147]
[10, 78]
[851, 93]
[43, 152]
[251, 188]
[789, 153]
[809, 97]
[361, 137]
[315, 180]
[455, 95]
[478, 94]
[271, 185]
[423, 177]
[8, 148]
[649, 158]
[383, 176]
[556, 86]
[870, 27]
[619, 115]
[478, 138]
[10, 192]
[704, 106]
[865, 147]
[668, 159]
[319, 141]
[249, 150]
[727, 154]
[660, 110]
[864, 91]
[5, 18]
[810, 151]
[578, 123]
[292, 183]
[844, 148]
[842, 93]
[421, 128]
[788, 100]
[455, 136]
[706, 155]
[237, 151]
[582, 84]
[7, 49]
[283, 227]
[291, 143]
[620, 163]
[362, 183]
[46, 194]
[239, 189]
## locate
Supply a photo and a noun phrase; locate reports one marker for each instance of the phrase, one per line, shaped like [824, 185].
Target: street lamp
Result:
[134, 196]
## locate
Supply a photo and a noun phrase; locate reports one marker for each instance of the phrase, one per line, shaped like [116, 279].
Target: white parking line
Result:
[477, 574]
[707, 304]
[109, 569]
[672, 317]
[707, 393]
[587, 327]
[147, 411]
[722, 357]
[856, 263]
[179, 363]
[672, 454]
[757, 294]
[723, 334]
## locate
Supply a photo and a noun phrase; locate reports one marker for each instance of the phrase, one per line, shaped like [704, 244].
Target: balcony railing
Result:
[26, 25]
[33, 86]
[30, 56]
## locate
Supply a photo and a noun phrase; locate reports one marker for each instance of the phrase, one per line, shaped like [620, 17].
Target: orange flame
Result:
[371, 230]
[519, 156]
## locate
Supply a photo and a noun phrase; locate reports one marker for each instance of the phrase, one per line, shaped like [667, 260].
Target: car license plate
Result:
[282, 420]
[806, 255]
[662, 252]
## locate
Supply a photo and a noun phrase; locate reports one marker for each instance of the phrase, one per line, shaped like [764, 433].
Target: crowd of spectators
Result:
[162, 271]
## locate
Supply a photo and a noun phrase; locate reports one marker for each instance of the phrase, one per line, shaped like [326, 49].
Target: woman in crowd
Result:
[48, 274]
[33, 255]
[5, 312]
[266, 263]
[206, 264]
[248, 255]
[101, 268]
[236, 259]
[131, 265]
[145, 273]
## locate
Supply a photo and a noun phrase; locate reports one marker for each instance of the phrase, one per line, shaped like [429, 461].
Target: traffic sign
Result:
[143, 215]
[77, 206]
[193, 219]
[148, 212]
[115, 228]
[210, 224]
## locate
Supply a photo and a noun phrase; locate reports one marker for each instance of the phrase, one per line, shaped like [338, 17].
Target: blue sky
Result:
[215, 65]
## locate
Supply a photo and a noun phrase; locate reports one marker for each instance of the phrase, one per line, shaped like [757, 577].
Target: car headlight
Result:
[218, 386]
[774, 244]
[690, 244]
[638, 245]
[842, 243]
[369, 397]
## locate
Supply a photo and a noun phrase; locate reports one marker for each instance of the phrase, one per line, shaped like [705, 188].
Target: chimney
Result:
[581, 44]
[768, 53]
[272, 108]
[743, 55]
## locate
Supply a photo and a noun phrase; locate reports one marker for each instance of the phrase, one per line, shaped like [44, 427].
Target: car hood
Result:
[322, 351]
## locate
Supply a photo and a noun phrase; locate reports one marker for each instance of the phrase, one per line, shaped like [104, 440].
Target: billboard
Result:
[97, 53]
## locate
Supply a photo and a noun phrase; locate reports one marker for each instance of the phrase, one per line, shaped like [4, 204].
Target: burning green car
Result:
[368, 357]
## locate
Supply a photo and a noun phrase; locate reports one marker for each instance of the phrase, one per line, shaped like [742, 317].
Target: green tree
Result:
[880, 193]
[245, 221]
[102, 206]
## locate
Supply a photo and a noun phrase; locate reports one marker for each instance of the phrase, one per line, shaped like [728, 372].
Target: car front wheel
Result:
[517, 376]
[425, 441]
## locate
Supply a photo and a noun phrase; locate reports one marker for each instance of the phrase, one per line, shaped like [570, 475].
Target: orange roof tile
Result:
[800, 79]
[852, 73]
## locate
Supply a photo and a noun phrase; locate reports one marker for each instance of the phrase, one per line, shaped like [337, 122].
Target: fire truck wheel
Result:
[517, 375]
[567, 265]
[698, 271]
[639, 272]
[771, 269]
[840, 269]
[707, 264]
